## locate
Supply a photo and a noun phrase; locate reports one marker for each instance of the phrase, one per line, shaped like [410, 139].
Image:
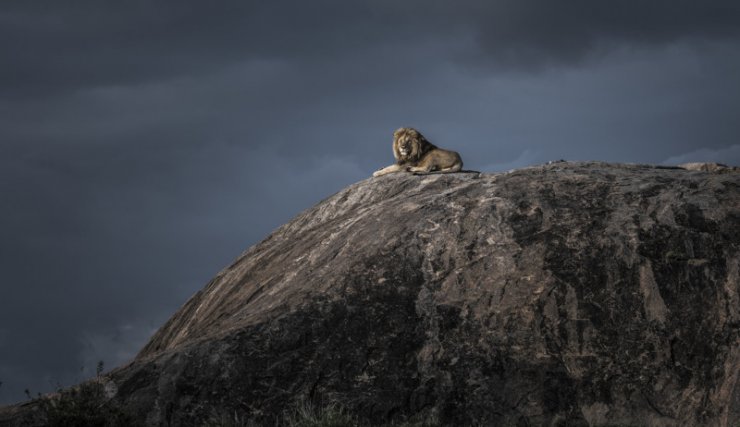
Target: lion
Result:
[414, 153]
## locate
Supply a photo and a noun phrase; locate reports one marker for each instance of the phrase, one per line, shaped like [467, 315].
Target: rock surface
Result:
[710, 167]
[564, 294]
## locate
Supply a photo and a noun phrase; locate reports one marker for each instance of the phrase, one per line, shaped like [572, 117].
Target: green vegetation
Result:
[85, 405]
[308, 415]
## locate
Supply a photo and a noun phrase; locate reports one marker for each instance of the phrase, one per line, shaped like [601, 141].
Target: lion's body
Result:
[415, 154]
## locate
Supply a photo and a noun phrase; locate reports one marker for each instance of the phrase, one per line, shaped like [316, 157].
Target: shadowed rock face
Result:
[566, 294]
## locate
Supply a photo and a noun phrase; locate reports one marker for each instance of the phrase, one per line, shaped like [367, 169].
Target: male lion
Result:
[415, 154]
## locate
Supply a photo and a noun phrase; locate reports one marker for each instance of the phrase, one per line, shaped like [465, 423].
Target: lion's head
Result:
[409, 145]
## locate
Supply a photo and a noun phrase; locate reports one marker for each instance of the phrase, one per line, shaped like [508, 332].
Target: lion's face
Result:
[404, 148]
[408, 144]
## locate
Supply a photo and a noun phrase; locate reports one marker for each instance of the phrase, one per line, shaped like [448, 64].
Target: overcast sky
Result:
[145, 144]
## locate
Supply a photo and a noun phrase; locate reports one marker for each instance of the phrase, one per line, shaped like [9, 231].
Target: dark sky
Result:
[144, 145]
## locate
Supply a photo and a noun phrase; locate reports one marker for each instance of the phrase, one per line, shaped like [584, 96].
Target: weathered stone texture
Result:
[564, 294]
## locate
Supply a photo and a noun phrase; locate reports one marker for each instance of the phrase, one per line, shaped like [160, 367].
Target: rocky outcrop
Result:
[710, 167]
[564, 294]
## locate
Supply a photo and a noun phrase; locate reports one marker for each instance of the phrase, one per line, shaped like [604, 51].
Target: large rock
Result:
[565, 294]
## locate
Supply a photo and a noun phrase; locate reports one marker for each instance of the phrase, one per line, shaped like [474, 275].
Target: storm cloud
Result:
[144, 145]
